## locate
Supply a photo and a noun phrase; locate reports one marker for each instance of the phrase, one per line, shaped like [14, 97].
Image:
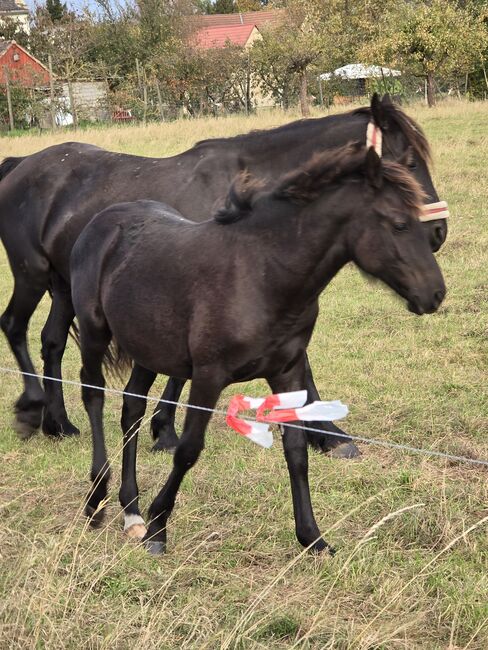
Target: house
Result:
[15, 10]
[23, 68]
[218, 36]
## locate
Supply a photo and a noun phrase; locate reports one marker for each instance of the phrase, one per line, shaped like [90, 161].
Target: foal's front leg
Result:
[205, 391]
[296, 454]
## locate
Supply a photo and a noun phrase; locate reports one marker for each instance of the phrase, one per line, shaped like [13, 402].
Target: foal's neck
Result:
[306, 245]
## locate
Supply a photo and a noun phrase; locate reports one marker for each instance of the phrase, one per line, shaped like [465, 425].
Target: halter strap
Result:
[433, 211]
[374, 138]
[430, 211]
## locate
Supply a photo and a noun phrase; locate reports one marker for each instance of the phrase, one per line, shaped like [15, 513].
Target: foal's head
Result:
[378, 203]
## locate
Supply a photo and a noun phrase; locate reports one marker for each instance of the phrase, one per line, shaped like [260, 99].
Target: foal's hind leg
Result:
[205, 390]
[14, 323]
[94, 343]
[163, 420]
[337, 446]
[133, 410]
[54, 334]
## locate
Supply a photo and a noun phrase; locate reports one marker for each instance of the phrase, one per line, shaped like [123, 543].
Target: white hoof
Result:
[134, 526]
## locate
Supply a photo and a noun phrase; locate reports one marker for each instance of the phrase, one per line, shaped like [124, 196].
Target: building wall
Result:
[90, 98]
[25, 71]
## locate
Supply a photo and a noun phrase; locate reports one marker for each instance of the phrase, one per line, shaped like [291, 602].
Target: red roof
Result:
[216, 37]
[258, 18]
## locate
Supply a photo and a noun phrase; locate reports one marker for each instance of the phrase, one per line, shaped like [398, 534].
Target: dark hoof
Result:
[164, 435]
[320, 546]
[95, 515]
[161, 446]
[28, 416]
[345, 450]
[23, 429]
[154, 547]
[54, 429]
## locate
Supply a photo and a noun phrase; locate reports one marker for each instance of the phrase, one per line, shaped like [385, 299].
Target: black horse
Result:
[46, 200]
[236, 298]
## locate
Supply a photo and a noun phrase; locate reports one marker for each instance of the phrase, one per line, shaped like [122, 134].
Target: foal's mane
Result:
[306, 183]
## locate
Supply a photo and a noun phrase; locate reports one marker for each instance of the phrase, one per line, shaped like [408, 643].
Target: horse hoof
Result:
[160, 446]
[320, 546]
[94, 515]
[24, 430]
[154, 547]
[54, 429]
[137, 532]
[345, 450]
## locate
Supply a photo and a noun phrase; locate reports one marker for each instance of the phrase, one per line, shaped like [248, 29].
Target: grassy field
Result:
[411, 569]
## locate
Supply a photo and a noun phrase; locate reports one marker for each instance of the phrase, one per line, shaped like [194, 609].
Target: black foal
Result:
[236, 298]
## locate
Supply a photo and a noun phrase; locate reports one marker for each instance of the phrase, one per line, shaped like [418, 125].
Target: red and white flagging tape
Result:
[282, 407]
[430, 211]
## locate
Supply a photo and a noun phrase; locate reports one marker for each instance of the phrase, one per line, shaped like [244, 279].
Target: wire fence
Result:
[370, 441]
[69, 103]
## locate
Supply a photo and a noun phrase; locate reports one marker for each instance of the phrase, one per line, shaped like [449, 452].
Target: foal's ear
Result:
[373, 169]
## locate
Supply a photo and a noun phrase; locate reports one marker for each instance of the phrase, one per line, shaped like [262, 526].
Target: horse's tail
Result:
[116, 360]
[8, 164]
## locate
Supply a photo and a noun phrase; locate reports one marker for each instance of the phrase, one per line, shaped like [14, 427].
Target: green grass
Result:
[407, 573]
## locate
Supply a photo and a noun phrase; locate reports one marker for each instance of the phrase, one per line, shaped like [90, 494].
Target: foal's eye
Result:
[400, 225]
[412, 165]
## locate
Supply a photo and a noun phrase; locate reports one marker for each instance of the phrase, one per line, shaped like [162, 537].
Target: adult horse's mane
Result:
[305, 184]
[391, 113]
[411, 130]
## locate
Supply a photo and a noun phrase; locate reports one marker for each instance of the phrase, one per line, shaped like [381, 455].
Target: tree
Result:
[248, 5]
[11, 29]
[224, 7]
[430, 40]
[284, 55]
[56, 9]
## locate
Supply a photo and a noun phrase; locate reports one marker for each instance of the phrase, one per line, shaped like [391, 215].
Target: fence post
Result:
[160, 99]
[144, 98]
[138, 71]
[9, 99]
[72, 104]
[51, 86]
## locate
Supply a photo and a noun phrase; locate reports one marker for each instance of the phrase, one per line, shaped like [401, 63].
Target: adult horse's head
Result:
[367, 209]
[391, 132]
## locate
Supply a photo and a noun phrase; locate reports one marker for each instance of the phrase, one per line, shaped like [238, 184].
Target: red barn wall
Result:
[26, 71]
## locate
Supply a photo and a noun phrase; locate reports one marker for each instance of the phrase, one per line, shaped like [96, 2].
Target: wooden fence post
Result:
[51, 85]
[160, 100]
[9, 99]
[72, 99]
